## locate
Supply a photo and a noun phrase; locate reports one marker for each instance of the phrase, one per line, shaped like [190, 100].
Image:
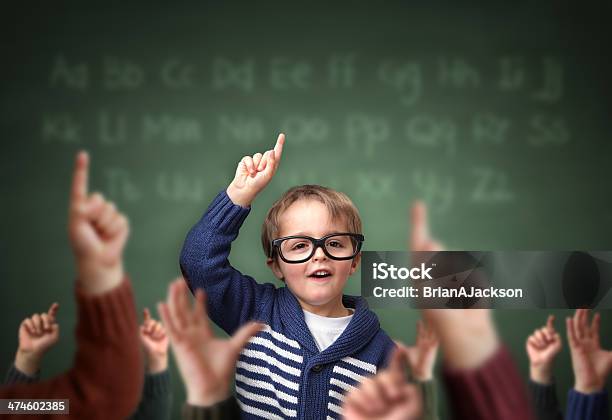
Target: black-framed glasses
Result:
[337, 246]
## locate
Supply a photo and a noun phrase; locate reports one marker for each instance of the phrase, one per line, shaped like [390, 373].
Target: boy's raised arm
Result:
[254, 173]
[232, 296]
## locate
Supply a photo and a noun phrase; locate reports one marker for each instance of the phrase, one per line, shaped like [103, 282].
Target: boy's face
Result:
[317, 295]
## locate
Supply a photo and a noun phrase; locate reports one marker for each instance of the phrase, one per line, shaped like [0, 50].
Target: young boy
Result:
[317, 343]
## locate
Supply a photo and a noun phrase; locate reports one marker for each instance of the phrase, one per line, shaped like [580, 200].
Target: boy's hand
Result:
[98, 233]
[37, 334]
[542, 347]
[385, 396]
[590, 362]
[254, 173]
[422, 356]
[155, 343]
[206, 363]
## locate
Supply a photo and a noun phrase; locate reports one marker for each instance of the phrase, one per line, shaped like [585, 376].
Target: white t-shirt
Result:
[326, 330]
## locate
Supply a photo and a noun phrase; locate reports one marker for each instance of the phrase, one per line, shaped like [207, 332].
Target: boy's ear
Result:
[273, 264]
[355, 263]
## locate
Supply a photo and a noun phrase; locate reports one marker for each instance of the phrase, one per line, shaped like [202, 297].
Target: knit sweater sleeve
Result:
[15, 376]
[491, 391]
[156, 400]
[106, 378]
[224, 410]
[587, 406]
[430, 399]
[545, 401]
[232, 297]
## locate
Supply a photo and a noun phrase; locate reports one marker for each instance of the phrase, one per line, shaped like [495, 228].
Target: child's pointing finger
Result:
[420, 230]
[278, 148]
[53, 310]
[80, 177]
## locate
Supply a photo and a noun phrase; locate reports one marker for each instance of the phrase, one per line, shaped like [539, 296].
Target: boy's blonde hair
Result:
[338, 204]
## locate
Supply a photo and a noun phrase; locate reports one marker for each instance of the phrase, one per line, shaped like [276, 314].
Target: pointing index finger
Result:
[420, 230]
[80, 176]
[278, 148]
[53, 309]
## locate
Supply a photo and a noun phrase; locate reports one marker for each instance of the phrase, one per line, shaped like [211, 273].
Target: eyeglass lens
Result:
[339, 246]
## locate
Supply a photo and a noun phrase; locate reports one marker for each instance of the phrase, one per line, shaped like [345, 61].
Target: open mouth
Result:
[320, 274]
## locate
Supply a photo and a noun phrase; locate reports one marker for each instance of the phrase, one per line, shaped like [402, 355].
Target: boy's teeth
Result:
[320, 273]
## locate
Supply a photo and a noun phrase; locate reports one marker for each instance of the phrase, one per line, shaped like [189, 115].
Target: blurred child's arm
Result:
[429, 393]
[468, 337]
[37, 334]
[545, 402]
[156, 400]
[474, 357]
[155, 344]
[206, 363]
[542, 346]
[106, 378]
[386, 395]
[15, 376]
[422, 358]
[592, 406]
[232, 296]
[590, 362]
[226, 410]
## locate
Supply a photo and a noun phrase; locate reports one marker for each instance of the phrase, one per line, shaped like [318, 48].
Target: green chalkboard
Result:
[497, 114]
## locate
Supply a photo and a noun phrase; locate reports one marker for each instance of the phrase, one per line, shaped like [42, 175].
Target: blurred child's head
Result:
[316, 212]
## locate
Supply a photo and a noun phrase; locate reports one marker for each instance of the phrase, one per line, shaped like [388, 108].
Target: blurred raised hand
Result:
[468, 336]
[591, 363]
[155, 343]
[206, 363]
[542, 347]
[420, 237]
[387, 395]
[97, 232]
[37, 334]
[422, 356]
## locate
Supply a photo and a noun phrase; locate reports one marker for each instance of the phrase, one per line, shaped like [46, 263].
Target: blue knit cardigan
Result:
[280, 373]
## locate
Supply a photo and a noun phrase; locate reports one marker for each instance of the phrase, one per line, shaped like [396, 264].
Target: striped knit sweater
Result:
[280, 373]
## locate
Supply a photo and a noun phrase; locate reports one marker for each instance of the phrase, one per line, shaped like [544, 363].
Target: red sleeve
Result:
[106, 379]
[492, 391]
